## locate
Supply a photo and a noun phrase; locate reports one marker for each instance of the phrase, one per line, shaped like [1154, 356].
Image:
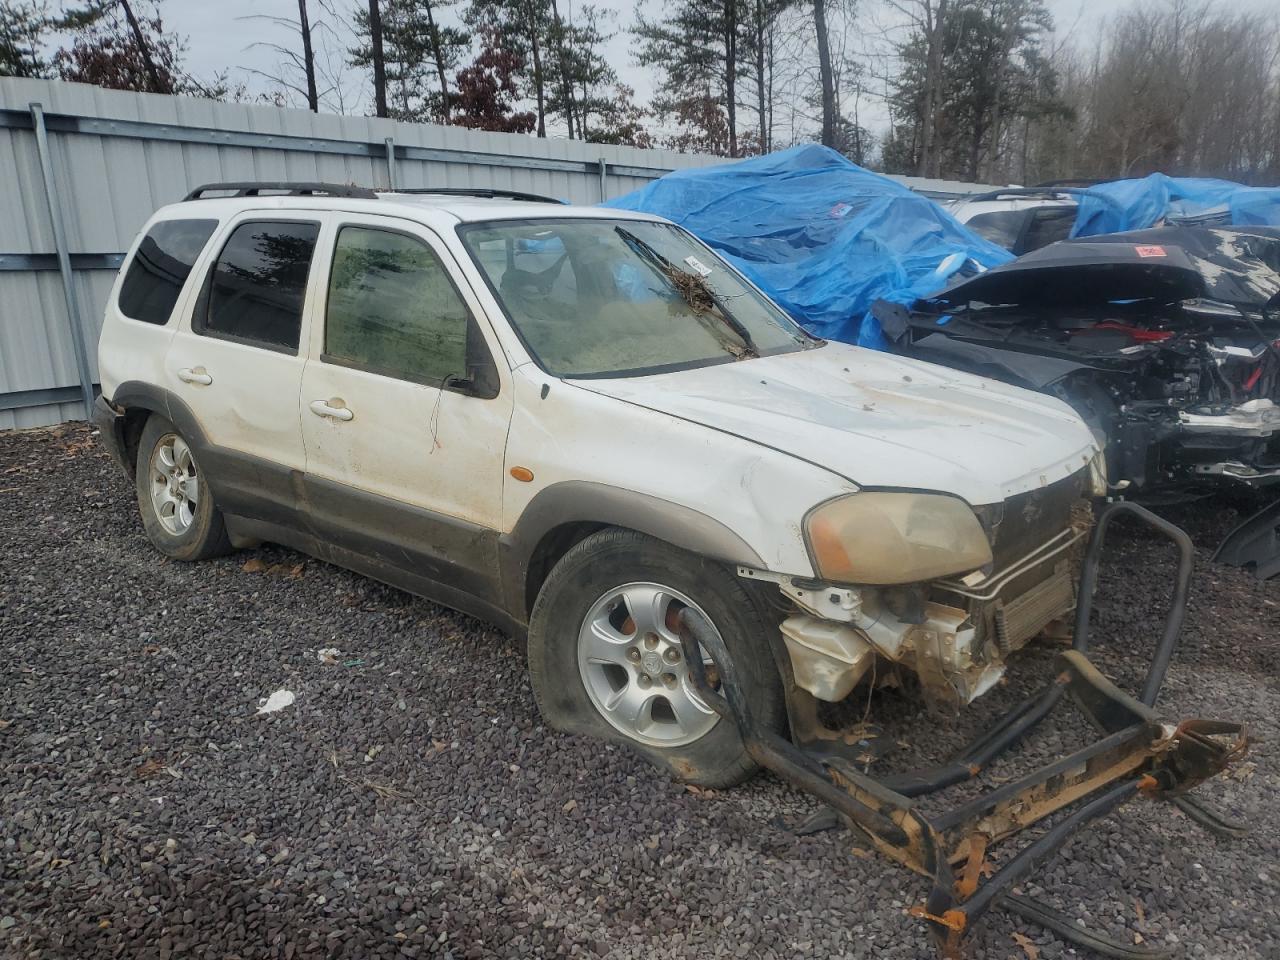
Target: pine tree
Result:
[696, 49]
[22, 29]
[419, 54]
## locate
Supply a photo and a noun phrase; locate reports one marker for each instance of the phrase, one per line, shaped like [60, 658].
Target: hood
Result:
[878, 420]
[1239, 266]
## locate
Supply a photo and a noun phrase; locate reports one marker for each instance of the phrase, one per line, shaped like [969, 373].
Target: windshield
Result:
[607, 298]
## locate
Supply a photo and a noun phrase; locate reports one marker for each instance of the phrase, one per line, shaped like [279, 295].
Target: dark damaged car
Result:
[1164, 340]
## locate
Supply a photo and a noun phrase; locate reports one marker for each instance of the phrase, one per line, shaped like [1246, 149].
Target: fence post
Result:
[604, 180]
[390, 143]
[74, 316]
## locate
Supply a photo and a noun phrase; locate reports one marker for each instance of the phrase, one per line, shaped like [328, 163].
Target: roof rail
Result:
[282, 188]
[1048, 192]
[1072, 182]
[488, 193]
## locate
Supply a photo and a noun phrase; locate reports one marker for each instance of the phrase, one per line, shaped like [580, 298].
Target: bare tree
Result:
[825, 72]
[379, 62]
[308, 57]
[158, 85]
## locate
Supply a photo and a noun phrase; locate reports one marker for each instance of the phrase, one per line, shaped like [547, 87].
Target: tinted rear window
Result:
[259, 282]
[1048, 226]
[160, 268]
[1001, 227]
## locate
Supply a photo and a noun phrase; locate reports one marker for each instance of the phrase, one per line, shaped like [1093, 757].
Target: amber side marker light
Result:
[523, 474]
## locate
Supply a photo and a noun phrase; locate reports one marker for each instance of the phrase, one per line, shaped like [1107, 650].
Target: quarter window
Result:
[259, 283]
[160, 268]
[1048, 226]
[1001, 227]
[393, 309]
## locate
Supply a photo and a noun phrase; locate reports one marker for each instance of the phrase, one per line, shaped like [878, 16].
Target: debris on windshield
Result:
[693, 288]
[696, 292]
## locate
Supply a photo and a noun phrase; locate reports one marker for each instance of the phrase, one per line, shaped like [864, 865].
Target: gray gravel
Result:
[411, 803]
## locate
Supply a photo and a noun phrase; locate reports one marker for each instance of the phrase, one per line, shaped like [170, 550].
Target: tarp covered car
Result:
[1165, 340]
[819, 234]
[1158, 199]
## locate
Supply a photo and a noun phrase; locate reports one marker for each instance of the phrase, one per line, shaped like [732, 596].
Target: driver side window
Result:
[393, 309]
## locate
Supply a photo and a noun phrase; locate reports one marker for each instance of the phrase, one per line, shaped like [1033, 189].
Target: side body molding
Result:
[578, 502]
[271, 502]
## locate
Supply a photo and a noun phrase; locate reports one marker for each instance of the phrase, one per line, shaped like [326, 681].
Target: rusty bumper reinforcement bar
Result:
[1137, 754]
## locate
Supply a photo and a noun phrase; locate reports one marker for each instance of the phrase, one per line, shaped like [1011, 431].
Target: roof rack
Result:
[1026, 192]
[488, 193]
[1072, 182]
[281, 188]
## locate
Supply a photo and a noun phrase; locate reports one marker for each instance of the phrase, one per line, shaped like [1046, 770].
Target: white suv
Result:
[1020, 219]
[574, 422]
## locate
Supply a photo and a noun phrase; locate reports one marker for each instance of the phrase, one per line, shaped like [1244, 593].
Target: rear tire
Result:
[605, 661]
[174, 500]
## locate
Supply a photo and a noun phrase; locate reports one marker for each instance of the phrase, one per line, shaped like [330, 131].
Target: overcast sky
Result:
[232, 33]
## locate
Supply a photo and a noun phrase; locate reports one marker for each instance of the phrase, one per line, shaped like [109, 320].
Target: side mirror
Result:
[482, 376]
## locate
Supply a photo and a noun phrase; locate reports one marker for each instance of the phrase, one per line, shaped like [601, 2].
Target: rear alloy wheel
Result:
[176, 504]
[175, 486]
[605, 659]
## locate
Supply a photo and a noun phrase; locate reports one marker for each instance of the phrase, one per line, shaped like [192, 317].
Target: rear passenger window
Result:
[258, 284]
[393, 309]
[160, 268]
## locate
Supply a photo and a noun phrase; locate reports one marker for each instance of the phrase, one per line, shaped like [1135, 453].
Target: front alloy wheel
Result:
[634, 668]
[605, 659]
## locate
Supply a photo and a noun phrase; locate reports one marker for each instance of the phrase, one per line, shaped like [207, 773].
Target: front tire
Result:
[174, 500]
[605, 660]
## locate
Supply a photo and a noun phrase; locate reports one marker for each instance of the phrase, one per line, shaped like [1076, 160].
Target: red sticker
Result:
[1149, 251]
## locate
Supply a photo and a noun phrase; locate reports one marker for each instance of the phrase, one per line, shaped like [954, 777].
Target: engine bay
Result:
[1166, 341]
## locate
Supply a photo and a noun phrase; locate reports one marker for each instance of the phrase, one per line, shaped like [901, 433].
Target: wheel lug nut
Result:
[671, 655]
[651, 641]
[644, 681]
[633, 654]
[669, 680]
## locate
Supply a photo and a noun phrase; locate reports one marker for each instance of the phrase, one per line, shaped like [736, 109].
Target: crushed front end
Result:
[953, 633]
[1137, 754]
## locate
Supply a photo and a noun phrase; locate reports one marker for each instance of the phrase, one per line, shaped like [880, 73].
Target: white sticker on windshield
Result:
[697, 266]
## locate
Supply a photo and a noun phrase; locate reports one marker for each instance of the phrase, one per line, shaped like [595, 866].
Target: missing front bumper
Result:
[1137, 754]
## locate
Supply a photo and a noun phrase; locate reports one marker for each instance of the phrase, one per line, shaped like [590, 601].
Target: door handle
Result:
[195, 375]
[334, 407]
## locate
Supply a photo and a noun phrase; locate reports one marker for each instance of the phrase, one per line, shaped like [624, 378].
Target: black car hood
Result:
[1235, 265]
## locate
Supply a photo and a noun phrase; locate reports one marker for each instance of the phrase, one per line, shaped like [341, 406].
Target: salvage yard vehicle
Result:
[1020, 219]
[586, 427]
[1166, 340]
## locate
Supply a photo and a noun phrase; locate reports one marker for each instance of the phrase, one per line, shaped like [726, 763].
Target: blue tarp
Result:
[1138, 204]
[819, 234]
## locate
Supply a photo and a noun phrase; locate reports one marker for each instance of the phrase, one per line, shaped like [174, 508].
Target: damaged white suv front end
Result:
[942, 590]
[951, 542]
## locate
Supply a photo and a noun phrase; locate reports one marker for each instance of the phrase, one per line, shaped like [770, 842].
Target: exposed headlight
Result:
[887, 538]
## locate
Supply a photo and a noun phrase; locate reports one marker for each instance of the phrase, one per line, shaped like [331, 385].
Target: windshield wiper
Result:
[695, 290]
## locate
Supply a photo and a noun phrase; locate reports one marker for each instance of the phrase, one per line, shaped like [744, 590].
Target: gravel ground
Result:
[410, 802]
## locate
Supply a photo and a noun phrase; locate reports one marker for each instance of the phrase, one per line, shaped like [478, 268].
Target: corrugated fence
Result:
[82, 168]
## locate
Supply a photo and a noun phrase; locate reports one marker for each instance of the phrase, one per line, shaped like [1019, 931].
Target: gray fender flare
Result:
[583, 501]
